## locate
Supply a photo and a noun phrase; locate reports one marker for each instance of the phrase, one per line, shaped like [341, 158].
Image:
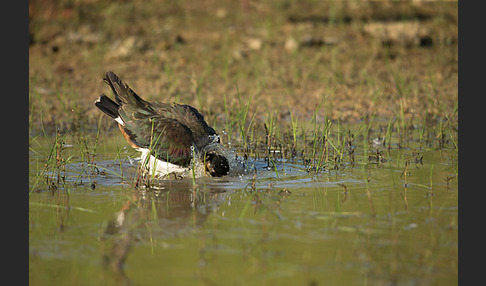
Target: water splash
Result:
[237, 165]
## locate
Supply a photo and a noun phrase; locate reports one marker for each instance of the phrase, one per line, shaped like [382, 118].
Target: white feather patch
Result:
[120, 121]
[161, 167]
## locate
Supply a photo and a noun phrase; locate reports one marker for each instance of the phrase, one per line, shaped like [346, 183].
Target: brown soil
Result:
[352, 59]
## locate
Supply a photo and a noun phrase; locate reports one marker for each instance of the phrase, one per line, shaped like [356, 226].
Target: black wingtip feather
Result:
[123, 93]
[108, 106]
[110, 79]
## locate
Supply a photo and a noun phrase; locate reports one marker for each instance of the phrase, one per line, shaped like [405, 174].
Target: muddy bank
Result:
[350, 60]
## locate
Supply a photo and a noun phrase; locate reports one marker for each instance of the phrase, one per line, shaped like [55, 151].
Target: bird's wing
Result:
[166, 138]
[124, 95]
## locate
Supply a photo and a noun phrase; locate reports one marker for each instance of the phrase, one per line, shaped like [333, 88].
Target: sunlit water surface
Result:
[366, 223]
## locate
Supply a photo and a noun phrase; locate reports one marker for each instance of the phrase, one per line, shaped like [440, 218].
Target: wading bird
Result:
[171, 137]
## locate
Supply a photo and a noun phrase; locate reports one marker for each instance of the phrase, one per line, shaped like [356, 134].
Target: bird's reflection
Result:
[169, 211]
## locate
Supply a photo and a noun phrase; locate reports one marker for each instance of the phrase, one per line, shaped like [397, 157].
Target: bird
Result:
[172, 137]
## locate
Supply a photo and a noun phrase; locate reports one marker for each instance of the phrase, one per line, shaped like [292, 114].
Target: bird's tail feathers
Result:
[108, 106]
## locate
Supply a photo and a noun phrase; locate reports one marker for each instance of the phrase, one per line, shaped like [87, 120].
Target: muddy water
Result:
[390, 221]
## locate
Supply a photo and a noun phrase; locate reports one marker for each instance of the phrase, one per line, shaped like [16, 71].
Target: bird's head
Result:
[215, 164]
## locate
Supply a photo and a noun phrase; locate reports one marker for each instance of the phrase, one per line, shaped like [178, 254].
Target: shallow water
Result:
[366, 223]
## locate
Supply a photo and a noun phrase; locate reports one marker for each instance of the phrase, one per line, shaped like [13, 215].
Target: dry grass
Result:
[288, 56]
